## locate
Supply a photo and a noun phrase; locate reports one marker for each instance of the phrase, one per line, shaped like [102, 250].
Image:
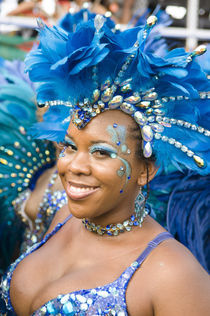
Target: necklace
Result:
[136, 219]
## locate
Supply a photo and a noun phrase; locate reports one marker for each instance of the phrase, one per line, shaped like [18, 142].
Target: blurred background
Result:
[190, 20]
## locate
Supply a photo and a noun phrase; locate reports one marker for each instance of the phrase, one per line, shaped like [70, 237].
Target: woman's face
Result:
[100, 170]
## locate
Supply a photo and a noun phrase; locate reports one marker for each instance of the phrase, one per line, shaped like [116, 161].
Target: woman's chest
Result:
[46, 283]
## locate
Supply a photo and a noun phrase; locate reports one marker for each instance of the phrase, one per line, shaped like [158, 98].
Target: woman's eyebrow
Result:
[100, 142]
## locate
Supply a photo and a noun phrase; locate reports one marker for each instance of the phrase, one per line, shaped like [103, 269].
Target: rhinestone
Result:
[187, 124]
[96, 94]
[184, 149]
[64, 299]
[190, 153]
[150, 22]
[147, 133]
[194, 127]
[125, 82]
[143, 104]
[107, 95]
[103, 294]
[151, 119]
[207, 133]
[200, 50]
[164, 138]
[84, 307]
[140, 118]
[157, 128]
[68, 308]
[133, 99]
[199, 161]
[150, 96]
[171, 141]
[177, 144]
[173, 121]
[126, 88]
[147, 151]
[157, 136]
[127, 108]
[115, 102]
[200, 129]
[180, 122]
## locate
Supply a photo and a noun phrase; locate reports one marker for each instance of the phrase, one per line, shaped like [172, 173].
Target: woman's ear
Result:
[148, 171]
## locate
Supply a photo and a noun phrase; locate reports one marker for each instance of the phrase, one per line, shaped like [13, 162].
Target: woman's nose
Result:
[80, 164]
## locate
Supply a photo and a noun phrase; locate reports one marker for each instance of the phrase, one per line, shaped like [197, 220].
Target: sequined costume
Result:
[51, 202]
[109, 299]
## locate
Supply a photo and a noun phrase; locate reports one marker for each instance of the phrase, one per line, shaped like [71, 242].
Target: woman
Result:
[30, 189]
[101, 250]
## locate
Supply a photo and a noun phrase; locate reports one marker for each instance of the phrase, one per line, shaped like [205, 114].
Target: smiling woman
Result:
[114, 109]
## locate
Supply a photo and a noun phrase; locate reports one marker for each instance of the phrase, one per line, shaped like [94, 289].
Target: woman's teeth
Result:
[77, 192]
[78, 189]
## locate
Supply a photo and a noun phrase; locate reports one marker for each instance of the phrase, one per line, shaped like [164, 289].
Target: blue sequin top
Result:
[102, 300]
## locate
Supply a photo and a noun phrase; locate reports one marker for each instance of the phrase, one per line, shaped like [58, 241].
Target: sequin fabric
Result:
[103, 300]
[51, 203]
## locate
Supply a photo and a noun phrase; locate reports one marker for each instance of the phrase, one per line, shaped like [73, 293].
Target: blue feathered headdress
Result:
[95, 69]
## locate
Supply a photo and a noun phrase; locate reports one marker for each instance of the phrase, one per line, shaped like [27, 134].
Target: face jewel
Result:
[199, 161]
[133, 99]
[127, 108]
[147, 133]
[115, 102]
[107, 95]
[140, 118]
[147, 151]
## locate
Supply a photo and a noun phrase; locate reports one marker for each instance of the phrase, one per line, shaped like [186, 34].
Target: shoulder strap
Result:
[151, 245]
[128, 273]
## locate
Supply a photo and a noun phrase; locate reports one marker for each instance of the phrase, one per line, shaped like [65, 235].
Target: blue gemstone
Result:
[68, 309]
[129, 178]
[132, 217]
[121, 191]
[118, 143]
[115, 125]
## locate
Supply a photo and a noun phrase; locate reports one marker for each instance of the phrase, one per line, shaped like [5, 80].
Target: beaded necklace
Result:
[134, 220]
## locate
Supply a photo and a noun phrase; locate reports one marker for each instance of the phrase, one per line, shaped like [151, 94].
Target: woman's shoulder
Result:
[177, 283]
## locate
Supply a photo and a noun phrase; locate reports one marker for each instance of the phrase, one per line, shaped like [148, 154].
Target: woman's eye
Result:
[68, 146]
[101, 153]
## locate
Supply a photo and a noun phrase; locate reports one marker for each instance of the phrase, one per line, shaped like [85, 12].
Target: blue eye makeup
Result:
[69, 143]
[104, 150]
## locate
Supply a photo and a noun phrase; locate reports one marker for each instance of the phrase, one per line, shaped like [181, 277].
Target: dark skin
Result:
[170, 280]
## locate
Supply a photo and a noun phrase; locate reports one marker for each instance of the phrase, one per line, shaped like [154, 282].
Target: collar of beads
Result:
[116, 229]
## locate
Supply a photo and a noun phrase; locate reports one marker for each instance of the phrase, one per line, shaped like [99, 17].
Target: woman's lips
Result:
[76, 192]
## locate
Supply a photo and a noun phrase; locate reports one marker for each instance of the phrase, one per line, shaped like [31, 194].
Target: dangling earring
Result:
[140, 205]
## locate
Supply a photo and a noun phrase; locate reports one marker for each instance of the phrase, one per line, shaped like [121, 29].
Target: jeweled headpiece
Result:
[94, 69]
